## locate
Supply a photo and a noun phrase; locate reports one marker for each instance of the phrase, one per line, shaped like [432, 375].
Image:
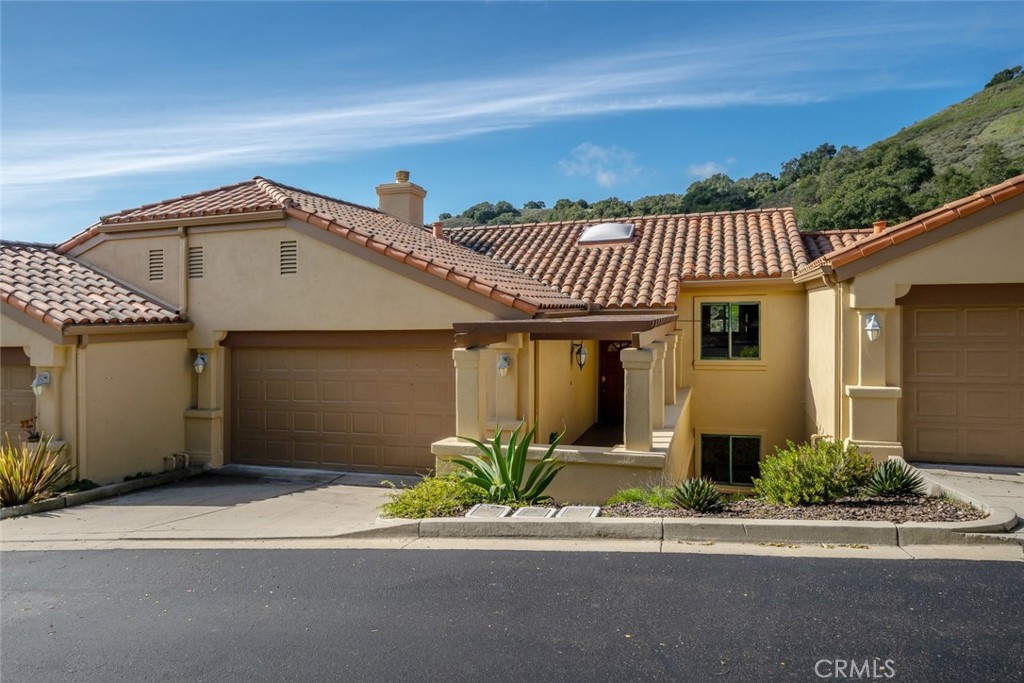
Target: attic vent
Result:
[289, 257]
[606, 233]
[156, 264]
[195, 262]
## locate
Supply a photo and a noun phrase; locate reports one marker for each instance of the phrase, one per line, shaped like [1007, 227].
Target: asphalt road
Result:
[493, 616]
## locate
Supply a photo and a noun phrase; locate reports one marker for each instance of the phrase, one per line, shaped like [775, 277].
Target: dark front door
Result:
[612, 383]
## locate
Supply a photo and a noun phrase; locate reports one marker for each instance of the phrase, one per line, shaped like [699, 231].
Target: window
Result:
[730, 331]
[730, 459]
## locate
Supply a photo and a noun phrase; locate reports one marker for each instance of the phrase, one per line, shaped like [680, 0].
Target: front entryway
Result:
[611, 383]
[17, 402]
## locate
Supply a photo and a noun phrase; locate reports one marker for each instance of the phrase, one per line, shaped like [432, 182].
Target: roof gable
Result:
[846, 261]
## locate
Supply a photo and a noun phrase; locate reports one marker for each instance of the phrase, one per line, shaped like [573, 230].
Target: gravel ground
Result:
[898, 510]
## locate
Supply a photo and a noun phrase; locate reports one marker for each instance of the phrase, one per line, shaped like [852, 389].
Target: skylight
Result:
[606, 233]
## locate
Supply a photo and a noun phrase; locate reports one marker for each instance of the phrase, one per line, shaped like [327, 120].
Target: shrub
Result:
[632, 495]
[501, 472]
[433, 497]
[655, 497]
[30, 473]
[803, 474]
[699, 495]
[894, 478]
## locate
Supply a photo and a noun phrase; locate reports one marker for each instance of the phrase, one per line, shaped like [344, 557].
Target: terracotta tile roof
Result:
[368, 227]
[665, 251]
[918, 225]
[59, 291]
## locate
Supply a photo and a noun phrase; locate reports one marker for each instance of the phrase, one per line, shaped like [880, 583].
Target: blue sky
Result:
[111, 105]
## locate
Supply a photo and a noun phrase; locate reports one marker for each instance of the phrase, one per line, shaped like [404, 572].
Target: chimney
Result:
[878, 227]
[438, 229]
[402, 199]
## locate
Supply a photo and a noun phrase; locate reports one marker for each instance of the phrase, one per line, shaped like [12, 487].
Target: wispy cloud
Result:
[126, 144]
[709, 168]
[606, 165]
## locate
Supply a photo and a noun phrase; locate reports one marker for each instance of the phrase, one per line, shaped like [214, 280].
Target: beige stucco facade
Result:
[115, 401]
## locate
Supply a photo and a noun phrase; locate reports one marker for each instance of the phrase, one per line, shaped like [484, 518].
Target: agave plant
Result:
[30, 473]
[501, 471]
[894, 478]
[699, 495]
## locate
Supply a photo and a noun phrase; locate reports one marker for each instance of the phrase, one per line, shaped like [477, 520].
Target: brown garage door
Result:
[963, 395]
[17, 402]
[370, 409]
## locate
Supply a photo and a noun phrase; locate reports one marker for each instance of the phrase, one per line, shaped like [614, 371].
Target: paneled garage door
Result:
[370, 409]
[963, 397]
[17, 402]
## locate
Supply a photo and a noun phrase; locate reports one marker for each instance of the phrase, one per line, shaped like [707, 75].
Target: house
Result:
[258, 323]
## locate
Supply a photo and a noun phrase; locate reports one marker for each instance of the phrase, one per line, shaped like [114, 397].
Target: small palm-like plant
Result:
[30, 473]
[501, 471]
[698, 495]
[894, 478]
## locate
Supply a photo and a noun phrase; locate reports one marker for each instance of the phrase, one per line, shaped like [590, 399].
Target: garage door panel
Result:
[963, 388]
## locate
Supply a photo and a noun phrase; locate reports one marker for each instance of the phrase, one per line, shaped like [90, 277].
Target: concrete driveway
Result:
[231, 503]
[997, 486]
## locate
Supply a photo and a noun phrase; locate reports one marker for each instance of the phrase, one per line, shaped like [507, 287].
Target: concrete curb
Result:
[704, 529]
[109, 491]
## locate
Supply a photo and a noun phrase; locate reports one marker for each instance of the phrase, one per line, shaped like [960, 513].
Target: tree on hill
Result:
[1005, 75]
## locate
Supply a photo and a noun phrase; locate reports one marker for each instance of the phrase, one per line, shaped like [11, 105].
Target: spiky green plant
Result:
[29, 474]
[894, 478]
[698, 495]
[501, 471]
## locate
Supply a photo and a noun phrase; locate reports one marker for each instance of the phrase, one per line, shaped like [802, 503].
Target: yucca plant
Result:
[894, 478]
[30, 473]
[698, 495]
[501, 471]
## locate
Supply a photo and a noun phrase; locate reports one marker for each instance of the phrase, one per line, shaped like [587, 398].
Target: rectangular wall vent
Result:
[195, 262]
[156, 264]
[289, 257]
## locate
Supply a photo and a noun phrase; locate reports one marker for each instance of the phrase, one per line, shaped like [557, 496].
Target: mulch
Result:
[895, 509]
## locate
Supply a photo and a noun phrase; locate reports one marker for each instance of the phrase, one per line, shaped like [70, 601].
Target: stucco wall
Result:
[821, 361]
[566, 395]
[754, 398]
[128, 260]
[241, 288]
[136, 395]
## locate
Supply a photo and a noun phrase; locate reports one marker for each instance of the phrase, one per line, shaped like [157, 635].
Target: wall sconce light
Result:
[578, 353]
[504, 363]
[872, 327]
[199, 364]
[41, 381]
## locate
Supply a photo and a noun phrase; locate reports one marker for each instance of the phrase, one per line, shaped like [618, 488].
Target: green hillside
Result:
[955, 136]
[967, 146]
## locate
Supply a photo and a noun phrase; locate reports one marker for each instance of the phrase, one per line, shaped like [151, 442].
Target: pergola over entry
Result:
[648, 364]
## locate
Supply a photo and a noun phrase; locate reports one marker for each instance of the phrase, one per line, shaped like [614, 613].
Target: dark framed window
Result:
[730, 459]
[730, 331]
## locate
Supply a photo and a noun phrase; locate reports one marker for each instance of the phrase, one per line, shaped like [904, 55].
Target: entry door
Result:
[610, 401]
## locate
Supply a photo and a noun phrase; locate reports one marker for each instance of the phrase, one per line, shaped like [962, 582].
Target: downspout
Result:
[183, 271]
[536, 386]
[841, 368]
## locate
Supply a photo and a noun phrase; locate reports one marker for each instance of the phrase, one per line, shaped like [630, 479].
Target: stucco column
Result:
[467, 393]
[506, 389]
[670, 369]
[658, 385]
[637, 364]
[204, 424]
[873, 405]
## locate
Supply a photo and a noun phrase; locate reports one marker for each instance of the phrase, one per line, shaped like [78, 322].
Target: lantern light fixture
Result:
[199, 364]
[504, 363]
[872, 328]
[41, 381]
[578, 353]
